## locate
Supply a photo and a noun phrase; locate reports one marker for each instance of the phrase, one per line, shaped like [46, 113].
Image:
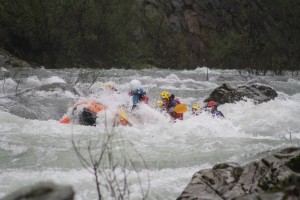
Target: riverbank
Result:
[9, 60]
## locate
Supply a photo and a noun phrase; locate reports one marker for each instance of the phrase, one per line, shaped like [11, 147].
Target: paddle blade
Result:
[124, 119]
[181, 108]
[65, 120]
[123, 114]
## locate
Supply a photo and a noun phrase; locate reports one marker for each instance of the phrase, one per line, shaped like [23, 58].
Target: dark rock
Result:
[273, 177]
[7, 59]
[264, 196]
[42, 191]
[2, 60]
[257, 92]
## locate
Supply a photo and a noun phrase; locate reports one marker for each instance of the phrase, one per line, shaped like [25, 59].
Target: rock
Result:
[273, 177]
[63, 87]
[52, 87]
[7, 59]
[198, 19]
[2, 60]
[31, 104]
[257, 92]
[264, 196]
[211, 184]
[42, 191]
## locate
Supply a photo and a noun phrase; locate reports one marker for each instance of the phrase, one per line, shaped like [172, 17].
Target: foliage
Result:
[259, 46]
[258, 36]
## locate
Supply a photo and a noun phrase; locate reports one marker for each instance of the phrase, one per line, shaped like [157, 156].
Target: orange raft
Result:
[89, 114]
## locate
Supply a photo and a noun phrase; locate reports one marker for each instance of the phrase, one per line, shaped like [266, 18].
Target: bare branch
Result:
[290, 138]
[94, 79]
[4, 80]
[97, 182]
[110, 173]
[18, 82]
[82, 160]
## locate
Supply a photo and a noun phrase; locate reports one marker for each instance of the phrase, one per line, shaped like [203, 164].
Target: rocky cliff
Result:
[254, 34]
[233, 32]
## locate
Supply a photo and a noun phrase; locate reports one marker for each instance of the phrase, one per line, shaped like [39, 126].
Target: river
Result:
[35, 147]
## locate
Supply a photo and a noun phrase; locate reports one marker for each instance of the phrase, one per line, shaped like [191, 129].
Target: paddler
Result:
[110, 86]
[138, 93]
[87, 116]
[159, 105]
[196, 109]
[170, 103]
[211, 107]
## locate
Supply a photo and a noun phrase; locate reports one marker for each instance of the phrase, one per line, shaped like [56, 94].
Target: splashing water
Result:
[34, 146]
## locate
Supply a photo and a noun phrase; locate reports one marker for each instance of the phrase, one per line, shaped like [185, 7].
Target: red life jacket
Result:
[168, 103]
[145, 99]
[177, 100]
[175, 115]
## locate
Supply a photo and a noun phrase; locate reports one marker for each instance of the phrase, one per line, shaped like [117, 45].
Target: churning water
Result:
[35, 147]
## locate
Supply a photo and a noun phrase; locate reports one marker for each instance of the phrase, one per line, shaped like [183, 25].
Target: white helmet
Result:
[134, 85]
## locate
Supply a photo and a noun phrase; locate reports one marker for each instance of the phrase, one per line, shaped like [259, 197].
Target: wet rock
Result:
[273, 177]
[257, 92]
[62, 87]
[32, 104]
[52, 87]
[42, 191]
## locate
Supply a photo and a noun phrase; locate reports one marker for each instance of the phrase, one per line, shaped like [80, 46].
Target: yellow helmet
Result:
[165, 95]
[109, 85]
[159, 103]
[196, 106]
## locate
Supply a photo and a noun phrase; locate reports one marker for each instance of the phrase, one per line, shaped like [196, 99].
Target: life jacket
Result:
[138, 96]
[218, 114]
[175, 115]
[94, 107]
[145, 98]
[177, 100]
[196, 113]
[170, 102]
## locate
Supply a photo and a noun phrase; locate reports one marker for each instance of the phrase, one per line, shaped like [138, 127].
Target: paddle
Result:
[180, 108]
[123, 114]
[124, 119]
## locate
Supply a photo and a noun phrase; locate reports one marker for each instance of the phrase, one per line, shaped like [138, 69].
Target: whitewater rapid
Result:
[39, 149]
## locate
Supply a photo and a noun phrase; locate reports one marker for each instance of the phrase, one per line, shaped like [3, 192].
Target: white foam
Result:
[37, 150]
[15, 149]
[32, 81]
[53, 79]
[8, 86]
[4, 69]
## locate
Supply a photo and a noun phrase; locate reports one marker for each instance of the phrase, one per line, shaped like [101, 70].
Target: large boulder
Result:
[274, 177]
[42, 191]
[226, 94]
[44, 102]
